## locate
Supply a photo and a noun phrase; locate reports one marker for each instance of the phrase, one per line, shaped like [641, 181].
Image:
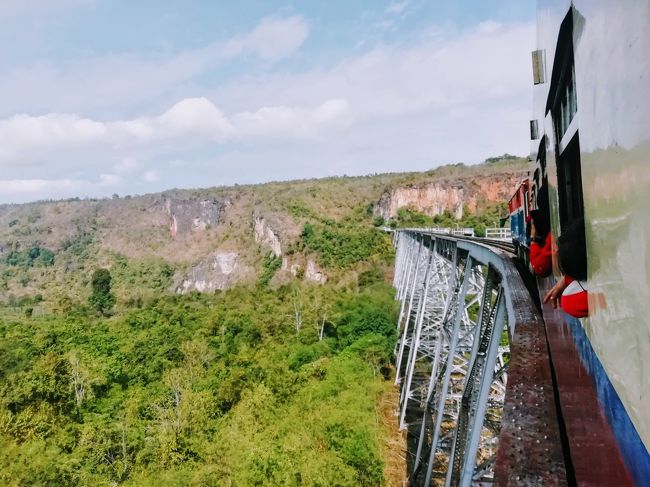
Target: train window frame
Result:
[562, 99]
[541, 156]
[562, 103]
[569, 181]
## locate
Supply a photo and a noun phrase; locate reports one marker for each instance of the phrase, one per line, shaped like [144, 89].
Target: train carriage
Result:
[590, 151]
[518, 211]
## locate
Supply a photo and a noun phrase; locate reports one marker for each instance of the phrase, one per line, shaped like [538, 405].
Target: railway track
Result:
[490, 242]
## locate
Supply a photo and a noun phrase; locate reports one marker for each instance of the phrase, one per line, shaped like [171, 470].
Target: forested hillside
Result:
[208, 239]
[244, 387]
[115, 370]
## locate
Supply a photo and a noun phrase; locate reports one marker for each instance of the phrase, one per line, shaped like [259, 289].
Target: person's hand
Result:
[553, 296]
[533, 231]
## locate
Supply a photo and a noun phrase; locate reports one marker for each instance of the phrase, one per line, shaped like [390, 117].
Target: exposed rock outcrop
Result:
[308, 270]
[431, 199]
[435, 198]
[221, 270]
[314, 274]
[266, 236]
[187, 216]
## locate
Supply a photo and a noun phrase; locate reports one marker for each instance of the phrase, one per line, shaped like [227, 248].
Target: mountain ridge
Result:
[213, 238]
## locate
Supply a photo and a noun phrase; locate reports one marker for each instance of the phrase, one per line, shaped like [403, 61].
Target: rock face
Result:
[308, 270]
[220, 270]
[187, 216]
[432, 199]
[314, 274]
[266, 236]
[437, 197]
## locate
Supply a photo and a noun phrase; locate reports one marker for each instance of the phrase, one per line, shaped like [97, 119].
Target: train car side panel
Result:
[613, 83]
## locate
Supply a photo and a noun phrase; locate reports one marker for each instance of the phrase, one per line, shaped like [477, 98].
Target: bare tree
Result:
[321, 327]
[297, 308]
[79, 379]
[321, 304]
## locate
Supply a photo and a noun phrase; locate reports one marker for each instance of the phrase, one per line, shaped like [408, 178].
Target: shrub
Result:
[356, 449]
[343, 245]
[270, 265]
[33, 257]
[101, 298]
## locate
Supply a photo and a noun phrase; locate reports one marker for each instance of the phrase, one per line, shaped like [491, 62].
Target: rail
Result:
[477, 395]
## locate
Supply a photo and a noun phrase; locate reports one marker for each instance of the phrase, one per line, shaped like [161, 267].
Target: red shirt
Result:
[541, 257]
[574, 300]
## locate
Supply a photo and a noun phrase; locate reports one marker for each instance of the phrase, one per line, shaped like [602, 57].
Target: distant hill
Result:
[208, 239]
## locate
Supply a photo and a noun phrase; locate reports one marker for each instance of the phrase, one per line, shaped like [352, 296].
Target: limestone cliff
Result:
[220, 270]
[187, 216]
[266, 236]
[452, 195]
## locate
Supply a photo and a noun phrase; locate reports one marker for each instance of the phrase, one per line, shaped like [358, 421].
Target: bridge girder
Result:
[455, 322]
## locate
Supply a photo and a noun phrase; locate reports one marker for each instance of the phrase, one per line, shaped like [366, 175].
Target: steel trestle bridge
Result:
[468, 328]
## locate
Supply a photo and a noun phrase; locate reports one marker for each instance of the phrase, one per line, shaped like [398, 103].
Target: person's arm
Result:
[533, 230]
[553, 296]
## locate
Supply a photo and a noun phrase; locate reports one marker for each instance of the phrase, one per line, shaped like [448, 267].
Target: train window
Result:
[562, 100]
[541, 155]
[566, 106]
[569, 179]
[563, 105]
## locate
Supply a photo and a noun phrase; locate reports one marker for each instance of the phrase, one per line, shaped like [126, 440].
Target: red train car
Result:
[518, 207]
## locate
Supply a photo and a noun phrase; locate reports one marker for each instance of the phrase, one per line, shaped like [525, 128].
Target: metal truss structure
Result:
[452, 356]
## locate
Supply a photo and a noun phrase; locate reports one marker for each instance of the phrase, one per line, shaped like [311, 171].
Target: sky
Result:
[103, 97]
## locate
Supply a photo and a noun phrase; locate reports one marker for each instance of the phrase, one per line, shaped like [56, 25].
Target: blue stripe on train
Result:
[634, 451]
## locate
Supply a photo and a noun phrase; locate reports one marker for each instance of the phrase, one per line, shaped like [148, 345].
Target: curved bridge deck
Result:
[468, 327]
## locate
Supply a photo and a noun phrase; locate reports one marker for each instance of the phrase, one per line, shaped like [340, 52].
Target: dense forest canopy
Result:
[244, 387]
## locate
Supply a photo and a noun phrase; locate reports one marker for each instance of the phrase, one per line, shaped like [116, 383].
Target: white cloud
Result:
[52, 130]
[151, 176]
[271, 39]
[22, 190]
[440, 73]
[489, 27]
[448, 96]
[286, 121]
[101, 83]
[126, 165]
[109, 179]
[194, 116]
[397, 8]
[24, 137]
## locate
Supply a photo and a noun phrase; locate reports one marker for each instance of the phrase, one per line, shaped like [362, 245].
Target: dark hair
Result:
[572, 250]
[541, 216]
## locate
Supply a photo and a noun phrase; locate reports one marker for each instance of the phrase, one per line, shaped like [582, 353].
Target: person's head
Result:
[542, 224]
[572, 250]
[540, 216]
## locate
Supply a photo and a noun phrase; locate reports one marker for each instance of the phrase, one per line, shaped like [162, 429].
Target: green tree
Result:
[101, 297]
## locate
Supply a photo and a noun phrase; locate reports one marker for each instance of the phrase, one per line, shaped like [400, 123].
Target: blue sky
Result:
[100, 97]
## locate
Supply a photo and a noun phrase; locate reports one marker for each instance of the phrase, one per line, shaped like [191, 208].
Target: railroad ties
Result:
[461, 302]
